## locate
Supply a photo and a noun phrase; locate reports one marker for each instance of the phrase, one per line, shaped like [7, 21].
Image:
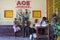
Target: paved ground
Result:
[12, 38]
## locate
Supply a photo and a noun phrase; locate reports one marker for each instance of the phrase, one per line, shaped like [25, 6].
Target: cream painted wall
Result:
[38, 5]
[11, 5]
[6, 5]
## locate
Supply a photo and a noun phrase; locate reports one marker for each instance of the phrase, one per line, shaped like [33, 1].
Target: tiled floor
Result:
[12, 38]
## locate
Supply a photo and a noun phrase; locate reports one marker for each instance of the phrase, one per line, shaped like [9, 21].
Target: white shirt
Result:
[37, 25]
[44, 24]
[31, 25]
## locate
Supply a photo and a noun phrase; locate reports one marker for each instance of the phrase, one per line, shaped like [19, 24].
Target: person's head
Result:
[54, 15]
[15, 19]
[44, 18]
[36, 20]
[28, 23]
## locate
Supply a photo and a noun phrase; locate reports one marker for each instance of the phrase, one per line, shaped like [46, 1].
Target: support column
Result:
[53, 6]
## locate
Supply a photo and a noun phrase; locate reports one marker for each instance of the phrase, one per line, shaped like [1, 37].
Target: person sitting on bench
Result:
[44, 24]
[16, 26]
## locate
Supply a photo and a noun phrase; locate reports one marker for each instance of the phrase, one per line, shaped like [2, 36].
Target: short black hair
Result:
[15, 18]
[44, 18]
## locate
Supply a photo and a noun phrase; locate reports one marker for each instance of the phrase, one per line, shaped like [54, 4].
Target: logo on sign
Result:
[23, 4]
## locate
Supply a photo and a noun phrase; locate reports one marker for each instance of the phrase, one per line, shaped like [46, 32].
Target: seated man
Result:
[33, 29]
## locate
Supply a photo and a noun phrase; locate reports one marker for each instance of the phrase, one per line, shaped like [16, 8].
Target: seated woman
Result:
[44, 24]
[16, 26]
[37, 24]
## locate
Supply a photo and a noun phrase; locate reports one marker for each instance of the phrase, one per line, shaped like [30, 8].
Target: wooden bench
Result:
[7, 30]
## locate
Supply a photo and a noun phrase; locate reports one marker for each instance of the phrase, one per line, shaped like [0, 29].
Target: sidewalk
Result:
[12, 38]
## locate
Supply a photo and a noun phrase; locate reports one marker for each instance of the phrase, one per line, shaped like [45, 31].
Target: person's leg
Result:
[15, 30]
[46, 30]
[31, 32]
[15, 34]
[43, 31]
[39, 31]
[34, 33]
[51, 33]
[25, 31]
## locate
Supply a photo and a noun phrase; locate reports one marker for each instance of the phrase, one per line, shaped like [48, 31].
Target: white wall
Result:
[11, 5]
